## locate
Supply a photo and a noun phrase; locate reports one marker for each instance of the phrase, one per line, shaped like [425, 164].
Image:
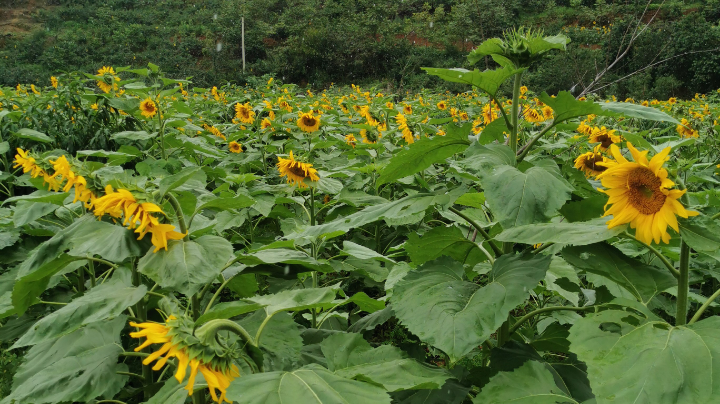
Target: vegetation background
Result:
[377, 42]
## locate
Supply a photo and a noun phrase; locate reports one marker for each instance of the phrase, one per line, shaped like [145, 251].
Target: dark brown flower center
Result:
[605, 141]
[644, 192]
[297, 171]
[591, 163]
[308, 121]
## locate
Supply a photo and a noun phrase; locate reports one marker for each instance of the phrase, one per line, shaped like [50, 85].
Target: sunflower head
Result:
[54, 81]
[148, 109]
[442, 105]
[296, 171]
[215, 362]
[407, 109]
[592, 164]
[308, 122]
[235, 147]
[351, 140]
[639, 194]
[685, 130]
[244, 113]
[108, 80]
[604, 137]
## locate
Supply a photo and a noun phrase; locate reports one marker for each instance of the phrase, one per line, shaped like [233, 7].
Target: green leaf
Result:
[228, 310]
[565, 106]
[441, 241]
[425, 152]
[472, 199]
[405, 207]
[631, 110]
[702, 233]
[26, 133]
[105, 301]
[171, 392]
[282, 256]
[111, 242]
[488, 81]
[456, 316]
[56, 198]
[281, 341]
[350, 356]
[451, 392]
[28, 212]
[366, 303]
[34, 275]
[531, 383]
[309, 384]
[124, 104]
[643, 281]
[552, 339]
[133, 136]
[297, 299]
[363, 253]
[494, 131]
[490, 46]
[78, 367]
[224, 203]
[575, 233]
[587, 209]
[187, 266]
[518, 198]
[174, 181]
[633, 360]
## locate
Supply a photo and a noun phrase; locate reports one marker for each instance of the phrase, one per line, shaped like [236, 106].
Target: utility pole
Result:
[243, 41]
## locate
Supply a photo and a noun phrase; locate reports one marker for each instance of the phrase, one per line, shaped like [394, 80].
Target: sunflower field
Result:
[163, 243]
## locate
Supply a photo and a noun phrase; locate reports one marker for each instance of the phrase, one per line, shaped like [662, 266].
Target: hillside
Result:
[381, 41]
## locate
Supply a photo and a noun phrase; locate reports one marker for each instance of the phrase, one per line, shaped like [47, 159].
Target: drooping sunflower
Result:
[369, 137]
[244, 113]
[108, 82]
[27, 162]
[296, 171]
[592, 163]
[178, 342]
[639, 193]
[148, 109]
[308, 122]
[235, 147]
[685, 130]
[350, 140]
[215, 131]
[604, 136]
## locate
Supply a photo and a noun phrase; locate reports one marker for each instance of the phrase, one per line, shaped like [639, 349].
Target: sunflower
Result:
[244, 113]
[685, 130]
[265, 123]
[178, 342]
[489, 114]
[672, 100]
[464, 116]
[148, 109]
[308, 122]
[235, 147]
[547, 112]
[584, 129]
[605, 137]
[351, 140]
[27, 162]
[639, 194]
[533, 115]
[442, 105]
[108, 82]
[215, 131]
[54, 81]
[592, 163]
[296, 171]
[94, 106]
[523, 90]
[407, 109]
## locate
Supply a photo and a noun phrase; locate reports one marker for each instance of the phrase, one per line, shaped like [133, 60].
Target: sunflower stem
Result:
[683, 285]
[314, 253]
[514, 112]
[525, 149]
[502, 111]
[162, 132]
[704, 307]
[657, 253]
[480, 230]
[178, 212]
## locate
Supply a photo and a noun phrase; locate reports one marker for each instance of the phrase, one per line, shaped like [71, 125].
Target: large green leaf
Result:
[494, 131]
[425, 152]
[102, 302]
[518, 198]
[110, 242]
[576, 233]
[27, 133]
[171, 392]
[642, 280]
[175, 181]
[565, 106]
[488, 81]
[309, 384]
[228, 310]
[451, 392]
[26, 212]
[187, 266]
[77, 367]
[631, 110]
[55, 198]
[441, 241]
[232, 202]
[531, 383]
[350, 356]
[437, 305]
[297, 299]
[405, 207]
[282, 256]
[281, 340]
[631, 360]
[702, 233]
